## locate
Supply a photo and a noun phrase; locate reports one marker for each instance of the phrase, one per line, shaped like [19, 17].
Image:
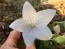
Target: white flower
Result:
[34, 24]
[56, 29]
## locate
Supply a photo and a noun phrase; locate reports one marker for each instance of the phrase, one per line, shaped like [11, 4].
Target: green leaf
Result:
[48, 45]
[62, 24]
[35, 3]
[60, 40]
[52, 24]
[43, 44]
[21, 44]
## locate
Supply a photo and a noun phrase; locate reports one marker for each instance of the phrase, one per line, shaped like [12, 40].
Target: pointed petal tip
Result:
[26, 2]
[11, 26]
[26, 5]
[52, 10]
[50, 36]
[27, 45]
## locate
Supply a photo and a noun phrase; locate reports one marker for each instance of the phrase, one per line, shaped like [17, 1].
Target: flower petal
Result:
[43, 33]
[28, 37]
[45, 16]
[29, 13]
[57, 29]
[18, 24]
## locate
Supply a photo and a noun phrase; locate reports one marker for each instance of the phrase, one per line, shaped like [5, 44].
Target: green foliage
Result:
[44, 45]
[21, 44]
[60, 40]
[35, 2]
[52, 24]
[62, 24]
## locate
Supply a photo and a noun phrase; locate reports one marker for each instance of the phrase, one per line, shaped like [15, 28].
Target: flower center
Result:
[32, 25]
